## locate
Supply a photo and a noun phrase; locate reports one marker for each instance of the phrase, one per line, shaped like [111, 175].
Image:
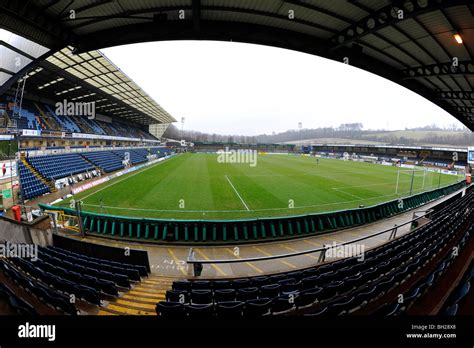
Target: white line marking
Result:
[347, 193]
[367, 185]
[250, 210]
[241, 199]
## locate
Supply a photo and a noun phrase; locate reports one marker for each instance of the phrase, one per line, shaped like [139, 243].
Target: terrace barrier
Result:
[245, 230]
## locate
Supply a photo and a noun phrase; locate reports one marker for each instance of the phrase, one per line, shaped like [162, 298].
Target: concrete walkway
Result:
[170, 260]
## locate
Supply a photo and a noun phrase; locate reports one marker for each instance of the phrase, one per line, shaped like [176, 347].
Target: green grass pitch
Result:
[197, 186]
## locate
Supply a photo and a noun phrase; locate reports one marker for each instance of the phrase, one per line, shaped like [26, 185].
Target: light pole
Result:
[300, 127]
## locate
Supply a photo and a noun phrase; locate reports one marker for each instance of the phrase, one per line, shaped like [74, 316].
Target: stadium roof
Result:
[90, 76]
[84, 77]
[411, 42]
[16, 53]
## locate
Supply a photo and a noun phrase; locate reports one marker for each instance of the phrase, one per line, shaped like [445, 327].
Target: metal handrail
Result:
[310, 251]
[272, 257]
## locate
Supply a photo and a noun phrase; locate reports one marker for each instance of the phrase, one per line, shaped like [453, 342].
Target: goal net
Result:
[410, 181]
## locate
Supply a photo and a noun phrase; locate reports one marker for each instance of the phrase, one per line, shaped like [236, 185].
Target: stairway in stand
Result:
[50, 184]
[98, 169]
[46, 120]
[141, 299]
[84, 126]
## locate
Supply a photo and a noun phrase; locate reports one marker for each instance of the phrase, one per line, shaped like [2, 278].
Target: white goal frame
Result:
[411, 172]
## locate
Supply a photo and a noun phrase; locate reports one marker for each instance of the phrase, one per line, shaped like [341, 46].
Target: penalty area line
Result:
[347, 193]
[235, 190]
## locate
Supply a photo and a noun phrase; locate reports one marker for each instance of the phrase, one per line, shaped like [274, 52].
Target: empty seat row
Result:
[106, 160]
[252, 308]
[18, 305]
[90, 270]
[54, 167]
[101, 285]
[135, 158]
[39, 116]
[142, 270]
[59, 283]
[31, 186]
[346, 281]
[50, 296]
[131, 273]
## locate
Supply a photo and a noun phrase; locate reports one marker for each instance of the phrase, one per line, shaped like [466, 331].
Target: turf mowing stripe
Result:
[347, 193]
[400, 195]
[208, 196]
[241, 199]
[370, 185]
[239, 211]
[125, 178]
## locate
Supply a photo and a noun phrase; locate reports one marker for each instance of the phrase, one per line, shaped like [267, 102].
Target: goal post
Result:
[413, 180]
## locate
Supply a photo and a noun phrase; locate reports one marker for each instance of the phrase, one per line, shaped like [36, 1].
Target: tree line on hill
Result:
[451, 135]
[465, 138]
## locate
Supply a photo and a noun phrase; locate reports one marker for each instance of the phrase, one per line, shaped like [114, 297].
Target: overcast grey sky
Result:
[234, 88]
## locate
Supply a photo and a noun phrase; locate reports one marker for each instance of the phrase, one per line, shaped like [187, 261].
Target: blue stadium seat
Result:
[31, 186]
[347, 285]
[54, 167]
[106, 160]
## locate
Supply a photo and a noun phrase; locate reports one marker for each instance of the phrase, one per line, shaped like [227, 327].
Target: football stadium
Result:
[102, 213]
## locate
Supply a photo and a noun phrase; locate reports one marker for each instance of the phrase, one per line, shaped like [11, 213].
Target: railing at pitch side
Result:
[322, 250]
